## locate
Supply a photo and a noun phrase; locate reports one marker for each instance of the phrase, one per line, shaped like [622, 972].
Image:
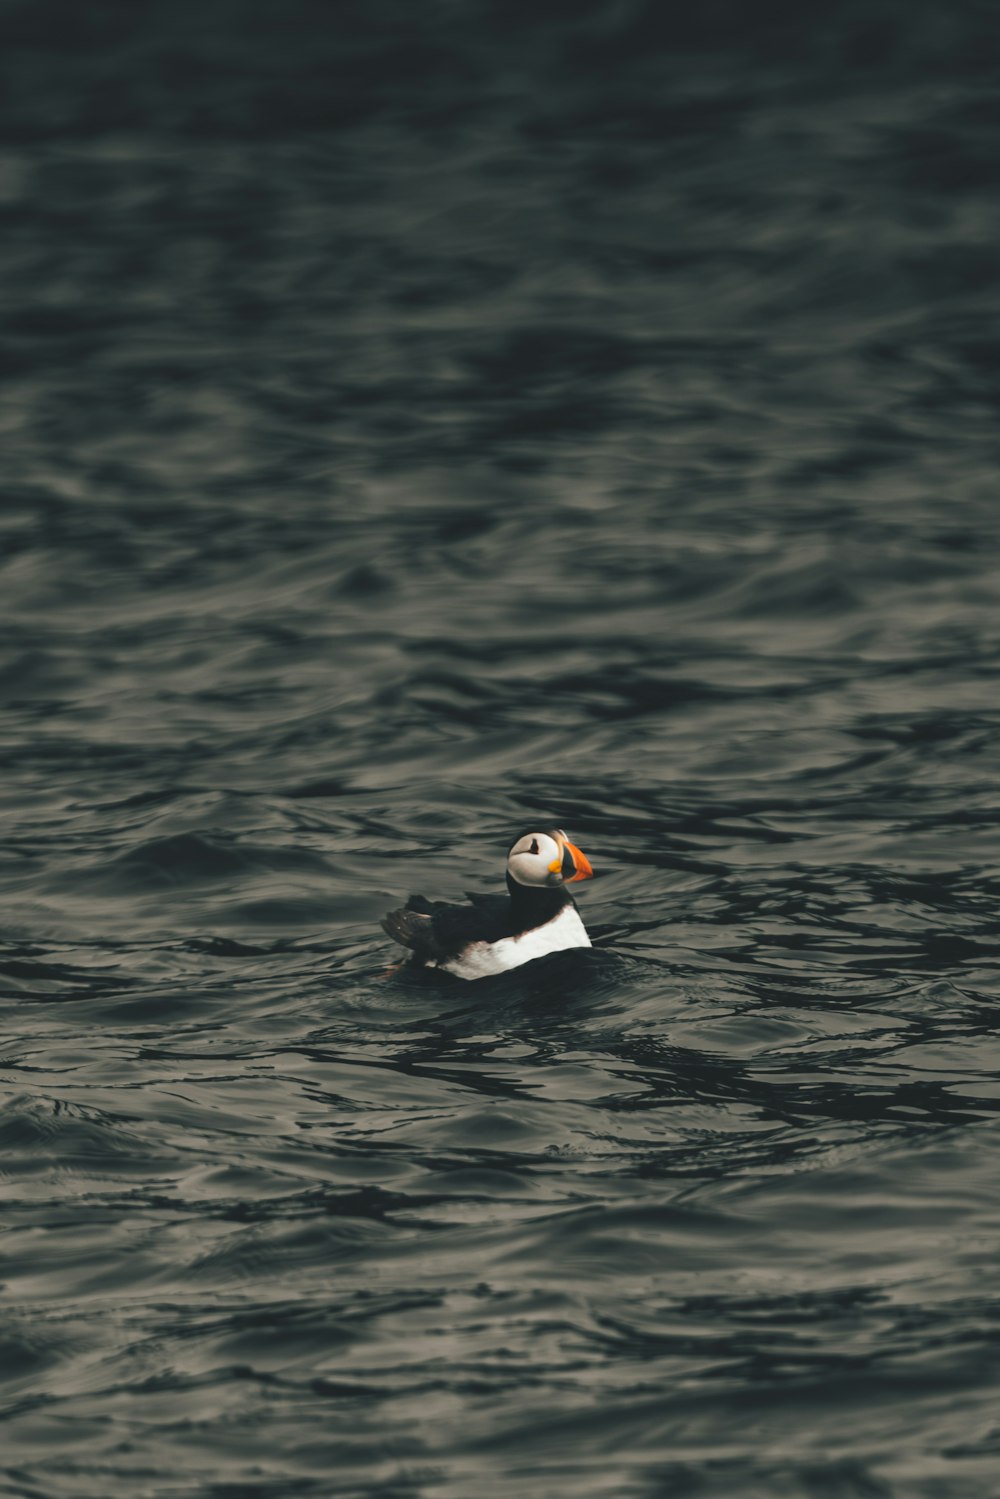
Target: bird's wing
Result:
[435, 930]
[413, 929]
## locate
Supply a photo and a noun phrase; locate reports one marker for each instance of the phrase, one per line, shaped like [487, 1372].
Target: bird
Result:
[495, 933]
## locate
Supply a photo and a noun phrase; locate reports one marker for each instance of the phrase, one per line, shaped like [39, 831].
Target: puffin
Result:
[495, 933]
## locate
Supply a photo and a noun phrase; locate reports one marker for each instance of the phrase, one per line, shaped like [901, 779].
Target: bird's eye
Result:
[534, 846]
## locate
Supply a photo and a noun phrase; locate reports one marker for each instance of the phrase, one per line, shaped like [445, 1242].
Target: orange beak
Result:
[583, 869]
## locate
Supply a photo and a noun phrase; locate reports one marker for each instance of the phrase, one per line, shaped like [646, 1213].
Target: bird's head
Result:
[547, 859]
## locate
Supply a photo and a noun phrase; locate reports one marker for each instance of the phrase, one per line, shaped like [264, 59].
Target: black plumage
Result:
[436, 931]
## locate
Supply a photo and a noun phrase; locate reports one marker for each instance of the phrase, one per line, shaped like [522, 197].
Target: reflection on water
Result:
[414, 426]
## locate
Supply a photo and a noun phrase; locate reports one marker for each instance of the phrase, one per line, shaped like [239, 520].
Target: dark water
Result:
[419, 422]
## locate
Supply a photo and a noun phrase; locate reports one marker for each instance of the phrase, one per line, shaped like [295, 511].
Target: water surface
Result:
[417, 426]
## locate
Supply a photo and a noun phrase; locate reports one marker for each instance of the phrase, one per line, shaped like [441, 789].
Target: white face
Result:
[531, 860]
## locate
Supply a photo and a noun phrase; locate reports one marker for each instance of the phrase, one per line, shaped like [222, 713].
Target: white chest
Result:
[483, 959]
